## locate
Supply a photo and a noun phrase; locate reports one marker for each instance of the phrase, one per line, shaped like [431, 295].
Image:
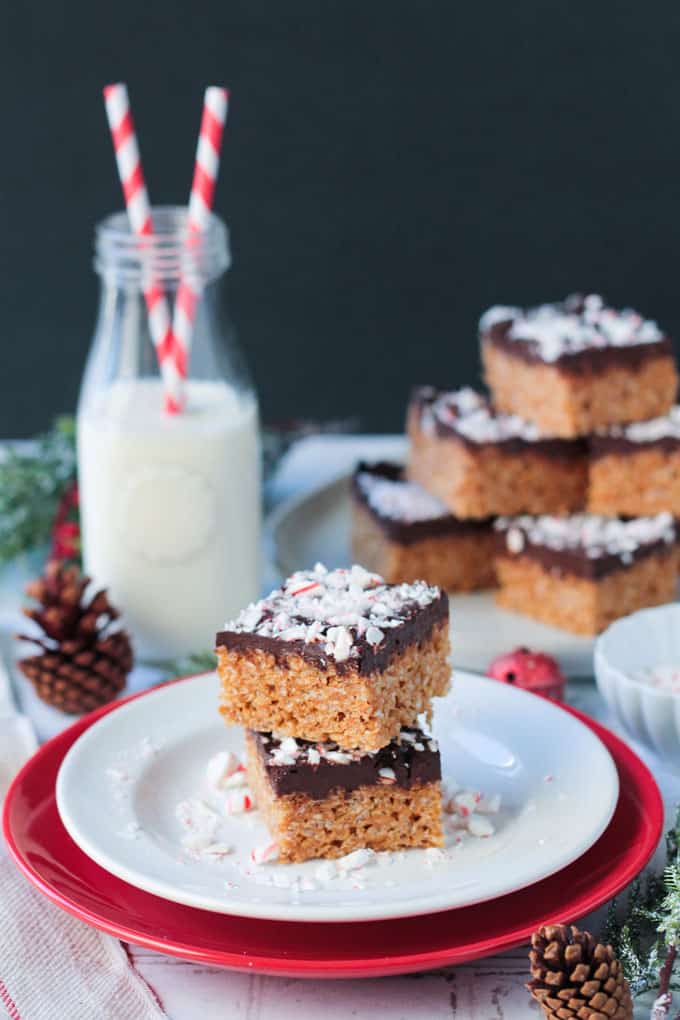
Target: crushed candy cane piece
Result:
[489, 804]
[265, 853]
[479, 825]
[434, 855]
[356, 859]
[196, 840]
[196, 815]
[465, 803]
[239, 778]
[325, 871]
[218, 850]
[374, 635]
[220, 767]
[387, 776]
[238, 801]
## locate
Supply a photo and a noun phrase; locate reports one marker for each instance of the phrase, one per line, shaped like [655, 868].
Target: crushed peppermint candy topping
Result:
[336, 609]
[289, 751]
[399, 500]
[594, 535]
[666, 427]
[665, 677]
[471, 415]
[575, 325]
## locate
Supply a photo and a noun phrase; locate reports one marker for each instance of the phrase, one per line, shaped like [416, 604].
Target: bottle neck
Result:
[171, 253]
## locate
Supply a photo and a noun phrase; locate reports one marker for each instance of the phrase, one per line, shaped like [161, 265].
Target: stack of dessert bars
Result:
[563, 485]
[329, 675]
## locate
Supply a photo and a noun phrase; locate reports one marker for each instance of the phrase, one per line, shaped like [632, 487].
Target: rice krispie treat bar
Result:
[480, 464]
[404, 533]
[320, 801]
[336, 655]
[575, 366]
[635, 469]
[582, 572]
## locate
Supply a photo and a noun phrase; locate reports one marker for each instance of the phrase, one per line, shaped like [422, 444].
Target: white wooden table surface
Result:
[490, 989]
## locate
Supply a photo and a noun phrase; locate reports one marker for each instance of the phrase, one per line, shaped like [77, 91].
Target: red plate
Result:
[54, 864]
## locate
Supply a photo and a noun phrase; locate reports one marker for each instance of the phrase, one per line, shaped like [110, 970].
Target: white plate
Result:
[315, 528]
[558, 783]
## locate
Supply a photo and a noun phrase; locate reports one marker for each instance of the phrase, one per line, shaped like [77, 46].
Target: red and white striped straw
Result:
[170, 354]
[206, 169]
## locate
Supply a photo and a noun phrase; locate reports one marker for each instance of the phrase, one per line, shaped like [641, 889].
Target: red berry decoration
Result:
[66, 528]
[532, 671]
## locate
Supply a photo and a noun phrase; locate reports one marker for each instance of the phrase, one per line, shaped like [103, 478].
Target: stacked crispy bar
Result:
[403, 532]
[584, 571]
[635, 469]
[579, 431]
[480, 463]
[329, 674]
[577, 366]
[581, 369]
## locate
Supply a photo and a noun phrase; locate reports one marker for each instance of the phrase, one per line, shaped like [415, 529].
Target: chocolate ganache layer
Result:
[579, 336]
[586, 545]
[623, 440]
[468, 417]
[348, 620]
[298, 766]
[403, 509]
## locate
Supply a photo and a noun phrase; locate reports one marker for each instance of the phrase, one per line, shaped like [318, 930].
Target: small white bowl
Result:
[648, 638]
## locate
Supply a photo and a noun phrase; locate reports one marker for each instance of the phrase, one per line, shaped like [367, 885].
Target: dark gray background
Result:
[390, 169]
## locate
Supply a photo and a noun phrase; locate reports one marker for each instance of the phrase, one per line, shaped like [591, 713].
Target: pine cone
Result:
[573, 976]
[83, 661]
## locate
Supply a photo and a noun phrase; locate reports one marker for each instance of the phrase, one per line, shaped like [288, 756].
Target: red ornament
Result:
[66, 529]
[532, 671]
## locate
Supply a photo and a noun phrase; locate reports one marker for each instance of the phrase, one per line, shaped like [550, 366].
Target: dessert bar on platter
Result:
[404, 533]
[576, 366]
[336, 655]
[584, 571]
[480, 463]
[319, 800]
[635, 469]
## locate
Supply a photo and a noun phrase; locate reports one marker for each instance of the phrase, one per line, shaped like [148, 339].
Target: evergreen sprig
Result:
[32, 482]
[187, 665]
[647, 941]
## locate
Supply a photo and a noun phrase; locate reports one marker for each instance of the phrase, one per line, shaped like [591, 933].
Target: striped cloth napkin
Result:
[51, 965]
[54, 966]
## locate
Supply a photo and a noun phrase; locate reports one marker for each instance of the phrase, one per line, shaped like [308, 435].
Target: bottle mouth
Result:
[170, 253]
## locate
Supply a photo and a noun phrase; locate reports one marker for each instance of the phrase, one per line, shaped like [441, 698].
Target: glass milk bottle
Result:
[170, 503]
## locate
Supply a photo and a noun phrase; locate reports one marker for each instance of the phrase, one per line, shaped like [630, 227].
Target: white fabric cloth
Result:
[53, 966]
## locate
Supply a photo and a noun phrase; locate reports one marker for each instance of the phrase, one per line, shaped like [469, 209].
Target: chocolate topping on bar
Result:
[580, 333]
[299, 766]
[347, 617]
[586, 545]
[660, 433]
[469, 416]
[404, 510]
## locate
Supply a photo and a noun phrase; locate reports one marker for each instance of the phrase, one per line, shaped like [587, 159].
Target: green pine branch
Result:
[647, 939]
[31, 485]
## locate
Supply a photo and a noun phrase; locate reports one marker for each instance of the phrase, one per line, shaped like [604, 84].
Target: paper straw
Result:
[206, 169]
[170, 354]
